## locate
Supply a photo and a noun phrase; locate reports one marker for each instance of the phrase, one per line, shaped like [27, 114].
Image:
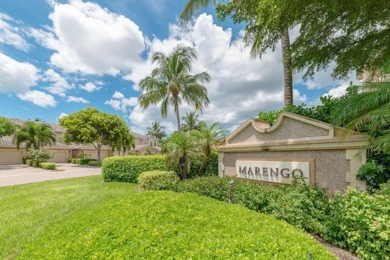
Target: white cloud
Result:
[118, 95]
[38, 98]
[89, 39]
[120, 103]
[338, 91]
[91, 87]
[16, 76]
[62, 115]
[77, 100]
[10, 33]
[59, 85]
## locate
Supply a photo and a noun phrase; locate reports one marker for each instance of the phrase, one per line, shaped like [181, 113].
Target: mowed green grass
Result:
[87, 218]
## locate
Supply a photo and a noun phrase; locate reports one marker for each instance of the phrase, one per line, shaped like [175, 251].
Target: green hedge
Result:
[95, 163]
[356, 220]
[74, 160]
[29, 162]
[157, 180]
[361, 223]
[128, 168]
[210, 170]
[84, 161]
[47, 165]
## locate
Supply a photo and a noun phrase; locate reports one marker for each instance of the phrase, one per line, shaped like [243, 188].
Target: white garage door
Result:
[11, 157]
[59, 156]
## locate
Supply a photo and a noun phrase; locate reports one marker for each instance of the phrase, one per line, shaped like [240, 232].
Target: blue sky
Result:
[58, 57]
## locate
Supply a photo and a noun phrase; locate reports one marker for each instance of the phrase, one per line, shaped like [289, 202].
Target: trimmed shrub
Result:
[158, 180]
[210, 170]
[360, 222]
[35, 163]
[95, 163]
[29, 162]
[47, 165]
[74, 160]
[69, 160]
[85, 161]
[128, 168]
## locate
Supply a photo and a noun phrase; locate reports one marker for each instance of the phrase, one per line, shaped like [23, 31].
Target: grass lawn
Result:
[84, 218]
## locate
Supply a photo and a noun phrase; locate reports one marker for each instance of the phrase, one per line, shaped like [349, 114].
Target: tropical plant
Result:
[171, 82]
[156, 130]
[191, 122]
[123, 143]
[180, 147]
[367, 110]
[34, 135]
[6, 127]
[90, 126]
[40, 155]
[208, 138]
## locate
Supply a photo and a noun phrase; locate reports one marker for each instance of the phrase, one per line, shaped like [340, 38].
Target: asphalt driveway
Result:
[22, 174]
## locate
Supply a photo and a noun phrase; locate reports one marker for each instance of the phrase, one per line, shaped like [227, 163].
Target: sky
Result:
[58, 57]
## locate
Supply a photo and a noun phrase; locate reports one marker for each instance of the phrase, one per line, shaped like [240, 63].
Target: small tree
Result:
[6, 127]
[90, 126]
[34, 135]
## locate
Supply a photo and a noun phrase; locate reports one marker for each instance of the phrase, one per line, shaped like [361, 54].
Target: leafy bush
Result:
[35, 163]
[40, 155]
[360, 222]
[95, 163]
[47, 165]
[29, 162]
[128, 168]
[84, 161]
[69, 160]
[376, 171]
[158, 180]
[210, 170]
[74, 160]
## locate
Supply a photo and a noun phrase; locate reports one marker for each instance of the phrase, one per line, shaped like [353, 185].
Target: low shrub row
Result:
[355, 220]
[95, 163]
[128, 168]
[47, 165]
[158, 180]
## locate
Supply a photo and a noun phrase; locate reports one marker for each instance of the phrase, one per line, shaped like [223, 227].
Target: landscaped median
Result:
[86, 218]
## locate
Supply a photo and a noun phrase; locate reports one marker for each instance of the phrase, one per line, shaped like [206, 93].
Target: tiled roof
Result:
[18, 121]
[142, 147]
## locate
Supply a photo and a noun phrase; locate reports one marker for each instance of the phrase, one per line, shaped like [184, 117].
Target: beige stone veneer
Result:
[293, 138]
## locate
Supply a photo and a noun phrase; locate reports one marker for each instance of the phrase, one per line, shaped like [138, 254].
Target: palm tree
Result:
[157, 131]
[208, 138]
[34, 135]
[170, 83]
[180, 147]
[367, 109]
[193, 6]
[191, 122]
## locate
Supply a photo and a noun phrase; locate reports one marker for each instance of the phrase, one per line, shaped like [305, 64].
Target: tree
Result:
[246, 11]
[354, 34]
[34, 135]
[208, 138]
[191, 122]
[123, 143]
[90, 126]
[170, 83]
[180, 147]
[6, 127]
[157, 130]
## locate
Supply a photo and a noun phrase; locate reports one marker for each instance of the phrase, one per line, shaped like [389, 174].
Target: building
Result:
[9, 154]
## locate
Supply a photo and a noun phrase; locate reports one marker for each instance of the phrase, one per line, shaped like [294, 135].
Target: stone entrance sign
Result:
[295, 146]
[275, 171]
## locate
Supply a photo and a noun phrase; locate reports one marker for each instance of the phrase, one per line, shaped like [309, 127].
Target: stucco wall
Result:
[289, 129]
[331, 166]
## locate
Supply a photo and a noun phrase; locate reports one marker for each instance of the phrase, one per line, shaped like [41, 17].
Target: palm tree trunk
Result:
[287, 70]
[177, 117]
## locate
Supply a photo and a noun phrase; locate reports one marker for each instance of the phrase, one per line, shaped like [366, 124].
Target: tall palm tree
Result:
[208, 138]
[191, 122]
[180, 147]
[171, 83]
[34, 135]
[193, 6]
[156, 130]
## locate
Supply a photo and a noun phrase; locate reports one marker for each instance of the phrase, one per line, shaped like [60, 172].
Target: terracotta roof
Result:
[18, 121]
[142, 147]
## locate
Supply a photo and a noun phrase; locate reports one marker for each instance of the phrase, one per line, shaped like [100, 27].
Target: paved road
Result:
[22, 174]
